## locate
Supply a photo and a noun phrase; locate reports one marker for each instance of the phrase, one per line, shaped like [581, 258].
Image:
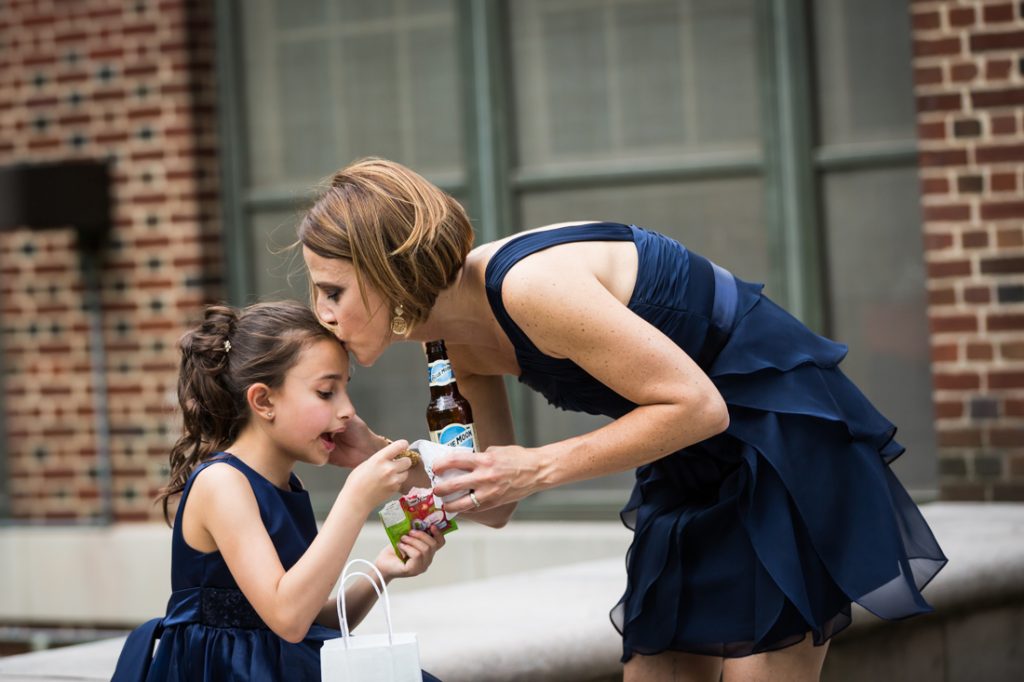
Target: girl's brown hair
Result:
[404, 236]
[221, 357]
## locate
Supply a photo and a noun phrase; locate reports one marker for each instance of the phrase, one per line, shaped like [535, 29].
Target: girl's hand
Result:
[355, 444]
[381, 476]
[497, 476]
[419, 548]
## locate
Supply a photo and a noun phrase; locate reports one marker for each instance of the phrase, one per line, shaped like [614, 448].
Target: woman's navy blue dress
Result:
[750, 539]
[211, 633]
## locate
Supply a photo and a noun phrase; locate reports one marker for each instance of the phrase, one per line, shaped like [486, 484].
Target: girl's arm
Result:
[289, 601]
[567, 312]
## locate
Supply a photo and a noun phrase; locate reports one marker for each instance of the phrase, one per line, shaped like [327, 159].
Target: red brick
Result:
[1014, 407]
[1012, 350]
[952, 323]
[994, 14]
[1008, 97]
[947, 213]
[924, 21]
[960, 438]
[935, 186]
[942, 102]
[970, 184]
[936, 241]
[1005, 379]
[1005, 322]
[962, 492]
[1012, 491]
[950, 381]
[953, 268]
[933, 130]
[980, 351]
[1010, 237]
[963, 16]
[1003, 153]
[1004, 125]
[945, 352]
[930, 75]
[1002, 210]
[1007, 437]
[960, 73]
[944, 157]
[1005, 40]
[948, 409]
[977, 294]
[941, 296]
[998, 69]
[975, 239]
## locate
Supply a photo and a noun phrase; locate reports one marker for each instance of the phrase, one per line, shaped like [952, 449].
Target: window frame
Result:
[791, 164]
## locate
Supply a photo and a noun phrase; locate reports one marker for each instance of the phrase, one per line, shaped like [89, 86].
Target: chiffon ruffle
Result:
[749, 540]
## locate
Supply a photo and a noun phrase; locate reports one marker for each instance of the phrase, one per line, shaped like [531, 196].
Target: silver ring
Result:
[472, 496]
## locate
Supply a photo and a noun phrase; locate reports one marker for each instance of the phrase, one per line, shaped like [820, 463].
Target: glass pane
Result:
[298, 13]
[874, 226]
[336, 81]
[864, 78]
[720, 219]
[633, 79]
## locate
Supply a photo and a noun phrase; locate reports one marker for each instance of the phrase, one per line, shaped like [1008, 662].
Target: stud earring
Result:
[399, 325]
[270, 416]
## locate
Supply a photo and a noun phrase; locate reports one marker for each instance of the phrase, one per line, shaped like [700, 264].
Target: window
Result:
[744, 129]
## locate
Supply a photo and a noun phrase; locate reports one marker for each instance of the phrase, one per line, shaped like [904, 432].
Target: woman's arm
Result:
[289, 601]
[567, 312]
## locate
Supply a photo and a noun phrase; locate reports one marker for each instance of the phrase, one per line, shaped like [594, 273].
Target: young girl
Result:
[260, 390]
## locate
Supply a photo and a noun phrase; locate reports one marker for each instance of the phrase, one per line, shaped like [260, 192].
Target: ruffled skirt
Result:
[748, 541]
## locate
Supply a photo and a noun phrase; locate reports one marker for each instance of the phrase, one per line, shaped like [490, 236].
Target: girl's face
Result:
[339, 305]
[313, 404]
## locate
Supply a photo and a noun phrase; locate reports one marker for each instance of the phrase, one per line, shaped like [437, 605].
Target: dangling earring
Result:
[399, 325]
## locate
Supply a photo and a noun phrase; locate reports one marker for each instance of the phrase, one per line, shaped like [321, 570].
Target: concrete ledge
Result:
[552, 624]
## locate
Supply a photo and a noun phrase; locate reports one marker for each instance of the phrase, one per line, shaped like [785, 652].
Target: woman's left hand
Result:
[419, 548]
[500, 475]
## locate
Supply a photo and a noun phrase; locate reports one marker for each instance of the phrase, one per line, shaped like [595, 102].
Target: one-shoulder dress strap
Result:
[527, 244]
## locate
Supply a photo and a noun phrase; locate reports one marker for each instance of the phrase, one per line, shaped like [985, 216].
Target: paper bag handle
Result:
[382, 593]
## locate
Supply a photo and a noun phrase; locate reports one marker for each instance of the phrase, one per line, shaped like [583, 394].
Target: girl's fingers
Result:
[417, 543]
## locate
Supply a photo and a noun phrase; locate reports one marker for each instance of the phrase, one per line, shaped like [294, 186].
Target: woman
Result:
[763, 505]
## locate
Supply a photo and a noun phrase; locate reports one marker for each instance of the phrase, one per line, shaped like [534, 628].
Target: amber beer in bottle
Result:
[449, 417]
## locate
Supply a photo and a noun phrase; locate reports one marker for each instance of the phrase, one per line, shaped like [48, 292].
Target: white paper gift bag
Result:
[391, 657]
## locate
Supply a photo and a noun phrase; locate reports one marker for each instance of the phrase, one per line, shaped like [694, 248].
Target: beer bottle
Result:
[449, 416]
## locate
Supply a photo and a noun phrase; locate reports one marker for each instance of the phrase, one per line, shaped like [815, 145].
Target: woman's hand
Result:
[419, 548]
[355, 444]
[378, 478]
[499, 475]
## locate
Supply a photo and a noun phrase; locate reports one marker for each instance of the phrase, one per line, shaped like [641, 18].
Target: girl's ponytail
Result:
[211, 414]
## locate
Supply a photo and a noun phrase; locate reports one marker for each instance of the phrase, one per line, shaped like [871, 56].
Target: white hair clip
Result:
[227, 346]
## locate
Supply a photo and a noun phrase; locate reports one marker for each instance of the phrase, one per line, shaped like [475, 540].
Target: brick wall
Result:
[128, 81]
[969, 83]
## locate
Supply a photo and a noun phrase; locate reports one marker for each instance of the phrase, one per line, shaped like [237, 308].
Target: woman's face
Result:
[338, 303]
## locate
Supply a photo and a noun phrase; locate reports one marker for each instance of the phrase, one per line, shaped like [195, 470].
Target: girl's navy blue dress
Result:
[211, 633]
[746, 541]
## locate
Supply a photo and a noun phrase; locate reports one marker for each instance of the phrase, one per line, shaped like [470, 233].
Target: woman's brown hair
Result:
[221, 357]
[404, 236]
